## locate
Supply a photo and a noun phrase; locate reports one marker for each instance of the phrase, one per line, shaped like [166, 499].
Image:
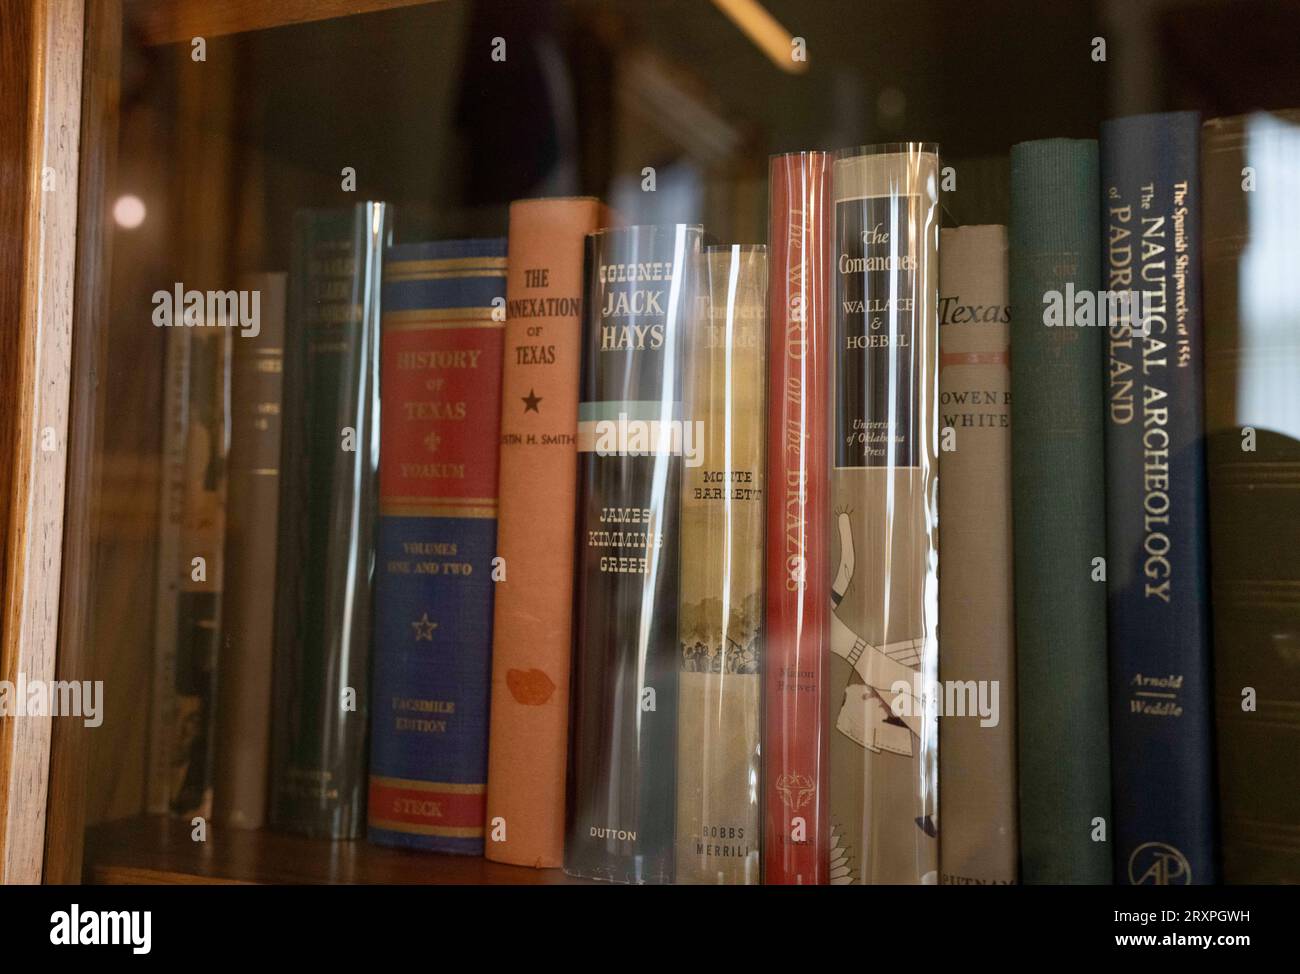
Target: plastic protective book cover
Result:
[884, 641]
[632, 440]
[796, 827]
[720, 623]
[325, 557]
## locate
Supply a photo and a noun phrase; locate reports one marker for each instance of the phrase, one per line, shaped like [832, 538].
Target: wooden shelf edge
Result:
[159, 850]
[172, 21]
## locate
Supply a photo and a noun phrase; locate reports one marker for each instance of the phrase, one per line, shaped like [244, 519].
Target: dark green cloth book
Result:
[328, 509]
[1058, 501]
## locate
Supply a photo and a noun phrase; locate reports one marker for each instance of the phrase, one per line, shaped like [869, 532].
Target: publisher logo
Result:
[796, 790]
[1158, 864]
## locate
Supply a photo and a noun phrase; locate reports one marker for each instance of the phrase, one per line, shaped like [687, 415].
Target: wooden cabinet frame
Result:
[40, 127]
[60, 63]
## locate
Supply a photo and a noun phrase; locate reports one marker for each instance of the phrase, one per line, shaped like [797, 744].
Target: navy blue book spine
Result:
[440, 402]
[1157, 586]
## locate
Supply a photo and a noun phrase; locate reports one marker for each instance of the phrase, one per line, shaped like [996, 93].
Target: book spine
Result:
[443, 326]
[1058, 505]
[248, 600]
[796, 834]
[622, 741]
[721, 554]
[883, 644]
[325, 552]
[532, 626]
[1157, 611]
[184, 736]
[1252, 372]
[977, 745]
[171, 505]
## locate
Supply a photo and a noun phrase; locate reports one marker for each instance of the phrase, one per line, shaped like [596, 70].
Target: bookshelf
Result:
[180, 20]
[220, 151]
[156, 849]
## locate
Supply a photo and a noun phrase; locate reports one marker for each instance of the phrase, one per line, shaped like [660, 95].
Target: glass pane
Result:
[367, 421]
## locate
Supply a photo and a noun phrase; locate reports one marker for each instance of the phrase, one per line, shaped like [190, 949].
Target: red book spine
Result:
[797, 824]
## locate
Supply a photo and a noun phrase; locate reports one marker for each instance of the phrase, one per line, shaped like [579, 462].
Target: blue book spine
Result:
[440, 394]
[1158, 622]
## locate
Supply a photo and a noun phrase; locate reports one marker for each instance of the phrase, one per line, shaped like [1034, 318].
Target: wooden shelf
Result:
[156, 849]
[172, 21]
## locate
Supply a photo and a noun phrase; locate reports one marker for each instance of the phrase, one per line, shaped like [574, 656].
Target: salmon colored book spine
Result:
[539, 419]
[798, 595]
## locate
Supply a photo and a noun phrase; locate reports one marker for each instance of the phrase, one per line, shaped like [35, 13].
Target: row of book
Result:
[605, 547]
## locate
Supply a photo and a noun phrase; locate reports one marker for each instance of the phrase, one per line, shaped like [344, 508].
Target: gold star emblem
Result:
[424, 628]
[432, 441]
